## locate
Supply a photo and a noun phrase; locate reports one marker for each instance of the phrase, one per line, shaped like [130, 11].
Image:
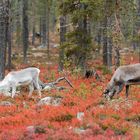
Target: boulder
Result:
[5, 103]
[54, 101]
[80, 116]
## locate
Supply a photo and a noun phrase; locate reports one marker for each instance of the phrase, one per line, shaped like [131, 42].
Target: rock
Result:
[124, 51]
[5, 103]
[38, 54]
[54, 101]
[30, 129]
[40, 129]
[36, 129]
[34, 49]
[42, 46]
[80, 115]
[101, 106]
[79, 130]
[48, 63]
[56, 45]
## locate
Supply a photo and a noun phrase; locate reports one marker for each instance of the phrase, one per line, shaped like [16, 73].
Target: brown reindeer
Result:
[123, 76]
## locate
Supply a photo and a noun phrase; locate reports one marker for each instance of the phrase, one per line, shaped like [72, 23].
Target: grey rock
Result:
[78, 130]
[54, 101]
[30, 129]
[5, 103]
[80, 115]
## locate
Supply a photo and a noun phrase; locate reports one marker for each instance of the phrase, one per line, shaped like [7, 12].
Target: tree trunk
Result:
[118, 33]
[134, 42]
[18, 24]
[105, 41]
[44, 31]
[138, 26]
[25, 29]
[109, 44]
[44, 26]
[40, 29]
[117, 57]
[53, 15]
[9, 35]
[109, 54]
[84, 26]
[134, 31]
[9, 47]
[62, 40]
[48, 29]
[33, 22]
[82, 60]
[99, 34]
[33, 35]
[2, 39]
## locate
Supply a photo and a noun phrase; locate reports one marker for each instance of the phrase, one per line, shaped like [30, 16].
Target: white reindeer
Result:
[28, 76]
[123, 76]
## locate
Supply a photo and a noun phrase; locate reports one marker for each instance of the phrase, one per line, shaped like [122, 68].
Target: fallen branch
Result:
[51, 85]
[60, 79]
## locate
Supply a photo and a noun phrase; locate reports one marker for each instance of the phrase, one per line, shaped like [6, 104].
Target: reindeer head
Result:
[109, 92]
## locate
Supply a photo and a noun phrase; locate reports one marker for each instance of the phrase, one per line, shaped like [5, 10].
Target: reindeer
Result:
[28, 76]
[123, 76]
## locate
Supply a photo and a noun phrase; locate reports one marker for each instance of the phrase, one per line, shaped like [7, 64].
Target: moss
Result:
[136, 134]
[101, 102]
[66, 117]
[120, 131]
[104, 127]
[40, 129]
[102, 116]
[93, 85]
[133, 118]
[115, 116]
[70, 104]
[83, 92]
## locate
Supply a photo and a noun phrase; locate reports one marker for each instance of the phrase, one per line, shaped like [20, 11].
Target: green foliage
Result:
[120, 131]
[115, 116]
[40, 129]
[63, 117]
[79, 40]
[76, 72]
[104, 69]
[135, 118]
[135, 133]
[94, 8]
[52, 76]
[83, 92]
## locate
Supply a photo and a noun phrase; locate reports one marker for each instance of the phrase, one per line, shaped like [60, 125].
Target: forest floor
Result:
[83, 114]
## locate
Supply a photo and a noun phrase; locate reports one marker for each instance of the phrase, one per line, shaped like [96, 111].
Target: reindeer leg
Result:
[13, 90]
[41, 84]
[31, 88]
[127, 89]
[120, 89]
[36, 83]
